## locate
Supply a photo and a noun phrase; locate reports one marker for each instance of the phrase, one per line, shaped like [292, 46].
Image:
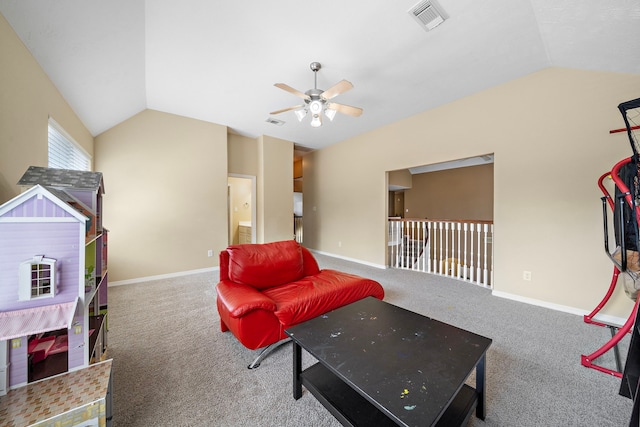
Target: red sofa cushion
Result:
[315, 295]
[266, 265]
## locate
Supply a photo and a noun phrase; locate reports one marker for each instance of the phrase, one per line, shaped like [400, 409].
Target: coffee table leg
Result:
[297, 370]
[480, 388]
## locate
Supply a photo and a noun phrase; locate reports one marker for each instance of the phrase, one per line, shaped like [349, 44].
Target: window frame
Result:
[28, 283]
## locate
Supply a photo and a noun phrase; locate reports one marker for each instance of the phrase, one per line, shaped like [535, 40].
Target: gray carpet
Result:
[173, 366]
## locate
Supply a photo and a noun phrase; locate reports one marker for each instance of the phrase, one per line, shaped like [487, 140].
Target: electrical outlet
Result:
[339, 244]
[210, 253]
[526, 275]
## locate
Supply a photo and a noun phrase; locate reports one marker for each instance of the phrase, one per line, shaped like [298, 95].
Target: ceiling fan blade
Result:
[345, 109]
[337, 89]
[287, 109]
[292, 90]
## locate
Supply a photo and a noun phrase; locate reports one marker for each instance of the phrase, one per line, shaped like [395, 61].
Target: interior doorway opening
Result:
[241, 204]
[440, 219]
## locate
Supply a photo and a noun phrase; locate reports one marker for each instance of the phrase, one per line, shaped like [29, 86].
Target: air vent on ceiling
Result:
[274, 121]
[428, 14]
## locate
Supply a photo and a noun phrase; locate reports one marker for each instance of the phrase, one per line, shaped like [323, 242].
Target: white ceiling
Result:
[217, 60]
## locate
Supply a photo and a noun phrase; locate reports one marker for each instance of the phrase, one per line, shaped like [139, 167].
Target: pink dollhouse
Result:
[53, 276]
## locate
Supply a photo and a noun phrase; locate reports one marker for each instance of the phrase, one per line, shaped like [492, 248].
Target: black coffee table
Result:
[382, 365]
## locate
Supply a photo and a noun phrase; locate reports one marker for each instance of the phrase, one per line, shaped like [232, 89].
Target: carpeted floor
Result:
[173, 367]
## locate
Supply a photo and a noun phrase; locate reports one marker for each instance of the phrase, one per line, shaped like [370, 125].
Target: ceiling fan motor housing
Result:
[314, 95]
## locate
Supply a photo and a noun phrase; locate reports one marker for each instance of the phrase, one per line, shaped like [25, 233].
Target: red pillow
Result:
[266, 265]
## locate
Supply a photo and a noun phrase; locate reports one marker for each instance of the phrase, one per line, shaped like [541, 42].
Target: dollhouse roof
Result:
[66, 197]
[61, 178]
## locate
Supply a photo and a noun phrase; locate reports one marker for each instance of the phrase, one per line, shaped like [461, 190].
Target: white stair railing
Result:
[458, 249]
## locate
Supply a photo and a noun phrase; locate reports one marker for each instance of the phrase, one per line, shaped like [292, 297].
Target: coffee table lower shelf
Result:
[352, 409]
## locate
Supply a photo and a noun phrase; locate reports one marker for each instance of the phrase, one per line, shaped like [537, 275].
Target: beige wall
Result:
[457, 194]
[27, 99]
[549, 133]
[345, 199]
[402, 178]
[275, 190]
[243, 154]
[165, 200]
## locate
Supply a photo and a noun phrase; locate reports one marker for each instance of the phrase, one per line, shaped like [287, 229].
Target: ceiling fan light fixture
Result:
[315, 107]
[316, 121]
[330, 113]
[300, 114]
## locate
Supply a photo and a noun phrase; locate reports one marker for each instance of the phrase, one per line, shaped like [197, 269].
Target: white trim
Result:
[604, 318]
[38, 219]
[357, 261]
[13, 387]
[162, 276]
[4, 367]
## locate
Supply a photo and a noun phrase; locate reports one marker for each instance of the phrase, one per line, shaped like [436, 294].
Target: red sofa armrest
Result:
[310, 264]
[239, 299]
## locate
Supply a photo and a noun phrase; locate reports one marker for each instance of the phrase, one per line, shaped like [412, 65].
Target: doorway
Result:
[441, 219]
[398, 203]
[241, 204]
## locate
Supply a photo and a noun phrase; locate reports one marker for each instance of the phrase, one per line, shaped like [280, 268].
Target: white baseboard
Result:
[163, 276]
[357, 261]
[604, 318]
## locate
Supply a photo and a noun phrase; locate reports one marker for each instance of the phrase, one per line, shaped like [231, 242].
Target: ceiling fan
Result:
[316, 101]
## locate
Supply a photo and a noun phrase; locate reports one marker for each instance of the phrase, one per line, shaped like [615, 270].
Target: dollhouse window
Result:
[37, 278]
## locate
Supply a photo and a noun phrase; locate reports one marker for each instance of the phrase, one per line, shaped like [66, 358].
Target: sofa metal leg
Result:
[266, 351]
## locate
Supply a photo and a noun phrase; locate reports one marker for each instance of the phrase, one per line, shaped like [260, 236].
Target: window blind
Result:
[64, 153]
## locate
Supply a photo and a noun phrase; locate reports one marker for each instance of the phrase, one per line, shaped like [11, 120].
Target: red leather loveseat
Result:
[267, 288]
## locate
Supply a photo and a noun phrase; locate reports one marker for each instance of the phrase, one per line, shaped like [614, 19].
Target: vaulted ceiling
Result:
[218, 61]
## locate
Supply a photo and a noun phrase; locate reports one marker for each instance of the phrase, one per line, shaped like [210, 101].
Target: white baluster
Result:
[400, 242]
[478, 243]
[424, 245]
[446, 249]
[440, 252]
[485, 228]
[492, 235]
[428, 248]
[414, 254]
[466, 267]
[459, 268]
[472, 246]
